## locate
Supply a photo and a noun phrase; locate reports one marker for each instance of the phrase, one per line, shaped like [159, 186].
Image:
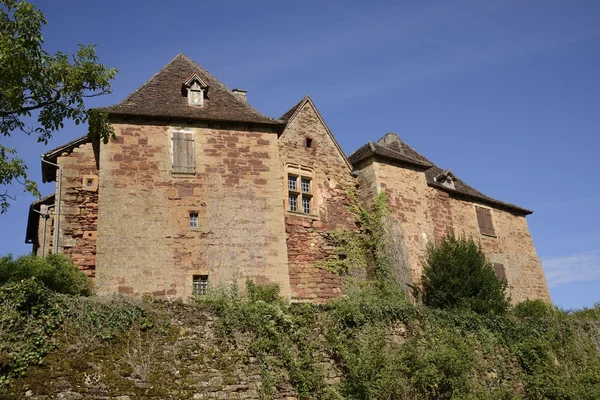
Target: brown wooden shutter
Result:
[500, 271]
[183, 152]
[487, 215]
[481, 220]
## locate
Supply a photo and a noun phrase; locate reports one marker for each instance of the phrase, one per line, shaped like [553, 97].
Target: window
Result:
[500, 271]
[484, 220]
[183, 152]
[293, 200]
[309, 143]
[193, 219]
[305, 185]
[292, 180]
[306, 205]
[89, 182]
[199, 285]
[300, 191]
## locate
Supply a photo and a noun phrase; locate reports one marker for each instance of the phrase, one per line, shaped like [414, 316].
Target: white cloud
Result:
[579, 267]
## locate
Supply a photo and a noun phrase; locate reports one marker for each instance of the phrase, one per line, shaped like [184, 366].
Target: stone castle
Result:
[202, 189]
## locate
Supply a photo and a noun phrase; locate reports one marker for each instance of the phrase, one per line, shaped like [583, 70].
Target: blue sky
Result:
[506, 93]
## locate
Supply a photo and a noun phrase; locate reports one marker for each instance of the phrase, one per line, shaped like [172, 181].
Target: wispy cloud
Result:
[581, 267]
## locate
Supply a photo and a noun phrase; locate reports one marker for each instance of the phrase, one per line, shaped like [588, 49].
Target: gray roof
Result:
[164, 95]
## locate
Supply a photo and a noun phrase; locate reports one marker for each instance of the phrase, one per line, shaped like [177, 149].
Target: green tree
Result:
[457, 274]
[41, 90]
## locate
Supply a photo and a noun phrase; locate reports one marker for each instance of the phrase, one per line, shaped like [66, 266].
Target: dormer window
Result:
[195, 89]
[446, 178]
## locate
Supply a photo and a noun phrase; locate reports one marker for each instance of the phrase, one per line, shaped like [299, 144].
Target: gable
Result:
[163, 95]
[304, 122]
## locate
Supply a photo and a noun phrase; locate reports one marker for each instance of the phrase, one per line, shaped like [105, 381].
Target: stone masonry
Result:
[235, 191]
[307, 234]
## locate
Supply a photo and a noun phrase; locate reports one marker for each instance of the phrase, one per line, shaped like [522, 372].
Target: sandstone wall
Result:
[145, 243]
[407, 192]
[307, 234]
[79, 207]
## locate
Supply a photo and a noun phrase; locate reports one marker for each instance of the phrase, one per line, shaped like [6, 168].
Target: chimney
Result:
[240, 94]
[389, 138]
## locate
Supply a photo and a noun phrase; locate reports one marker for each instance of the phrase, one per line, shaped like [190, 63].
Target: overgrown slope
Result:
[371, 344]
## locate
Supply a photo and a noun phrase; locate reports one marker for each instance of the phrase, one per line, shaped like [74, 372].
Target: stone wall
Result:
[425, 213]
[79, 207]
[307, 234]
[145, 243]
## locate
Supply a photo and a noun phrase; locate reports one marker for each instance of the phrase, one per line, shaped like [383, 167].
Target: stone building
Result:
[200, 188]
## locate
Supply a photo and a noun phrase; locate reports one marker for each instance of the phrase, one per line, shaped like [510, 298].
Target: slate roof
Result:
[396, 150]
[162, 96]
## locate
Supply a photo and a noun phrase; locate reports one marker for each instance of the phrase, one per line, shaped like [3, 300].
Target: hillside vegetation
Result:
[450, 338]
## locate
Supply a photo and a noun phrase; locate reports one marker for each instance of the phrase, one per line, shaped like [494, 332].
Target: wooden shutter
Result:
[487, 216]
[183, 152]
[481, 220]
[500, 271]
[484, 220]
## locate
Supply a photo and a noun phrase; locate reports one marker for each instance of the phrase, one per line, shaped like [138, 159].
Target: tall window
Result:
[300, 190]
[183, 152]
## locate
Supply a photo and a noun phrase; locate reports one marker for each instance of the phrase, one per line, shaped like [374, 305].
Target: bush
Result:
[457, 275]
[56, 271]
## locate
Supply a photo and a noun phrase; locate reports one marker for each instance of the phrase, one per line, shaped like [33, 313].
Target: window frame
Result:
[300, 175]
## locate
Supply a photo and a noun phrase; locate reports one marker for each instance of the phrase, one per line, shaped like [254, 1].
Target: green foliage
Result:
[364, 250]
[50, 88]
[56, 271]
[33, 317]
[457, 274]
[369, 303]
[277, 333]
[588, 313]
[29, 314]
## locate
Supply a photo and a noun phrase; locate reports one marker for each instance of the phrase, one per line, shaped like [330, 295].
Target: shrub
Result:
[56, 271]
[533, 309]
[456, 274]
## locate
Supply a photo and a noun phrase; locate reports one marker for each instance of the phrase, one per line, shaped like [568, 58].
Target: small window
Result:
[199, 285]
[293, 200]
[193, 219]
[309, 143]
[500, 271]
[484, 220]
[89, 182]
[292, 182]
[306, 205]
